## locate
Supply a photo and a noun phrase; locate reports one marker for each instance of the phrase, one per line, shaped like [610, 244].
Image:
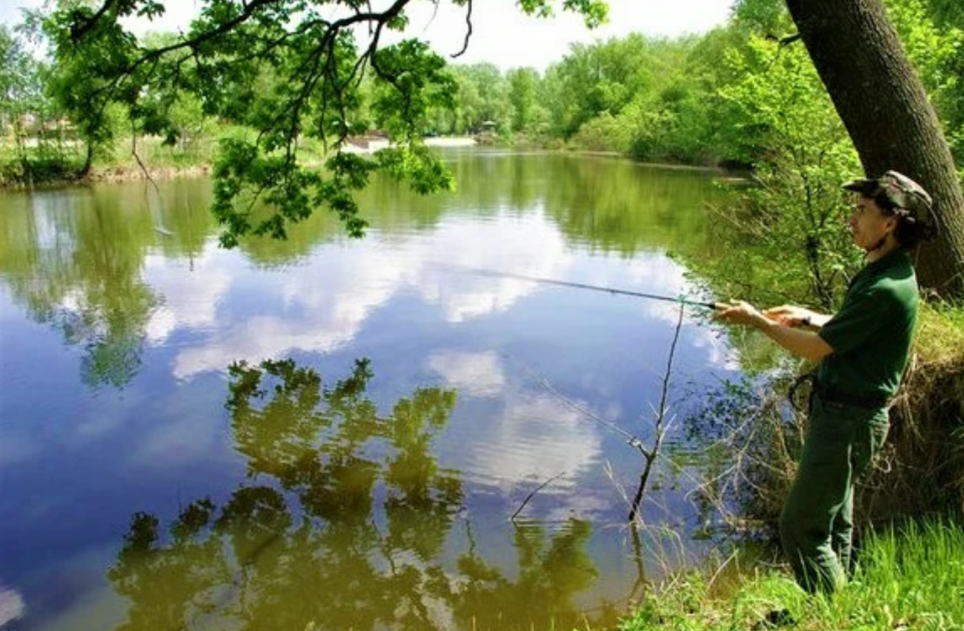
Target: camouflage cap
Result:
[902, 192]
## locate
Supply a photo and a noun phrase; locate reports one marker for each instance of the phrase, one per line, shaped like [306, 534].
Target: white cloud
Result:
[475, 374]
[527, 246]
[187, 435]
[191, 299]
[326, 303]
[503, 35]
[12, 606]
[536, 438]
[179, 440]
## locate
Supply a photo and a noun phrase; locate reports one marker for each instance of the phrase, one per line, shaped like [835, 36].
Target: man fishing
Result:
[861, 352]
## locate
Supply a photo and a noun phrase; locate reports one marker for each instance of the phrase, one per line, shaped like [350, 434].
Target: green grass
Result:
[908, 578]
[940, 335]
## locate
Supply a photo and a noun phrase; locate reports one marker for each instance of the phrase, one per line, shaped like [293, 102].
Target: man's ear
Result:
[892, 225]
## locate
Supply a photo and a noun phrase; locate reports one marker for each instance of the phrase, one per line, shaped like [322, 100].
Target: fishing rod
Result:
[563, 283]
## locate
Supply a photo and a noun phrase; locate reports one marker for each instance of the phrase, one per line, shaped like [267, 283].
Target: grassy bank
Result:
[907, 578]
[124, 159]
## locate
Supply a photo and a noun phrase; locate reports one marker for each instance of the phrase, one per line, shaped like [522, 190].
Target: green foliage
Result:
[673, 126]
[596, 79]
[947, 12]
[16, 71]
[763, 17]
[80, 79]
[415, 81]
[594, 11]
[298, 77]
[524, 98]
[34, 142]
[347, 501]
[936, 47]
[795, 212]
[655, 99]
[606, 133]
[482, 95]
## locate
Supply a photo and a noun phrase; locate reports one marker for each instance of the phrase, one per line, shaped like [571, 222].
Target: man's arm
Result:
[806, 344]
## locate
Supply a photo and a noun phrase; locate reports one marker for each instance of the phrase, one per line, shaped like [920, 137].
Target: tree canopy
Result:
[288, 70]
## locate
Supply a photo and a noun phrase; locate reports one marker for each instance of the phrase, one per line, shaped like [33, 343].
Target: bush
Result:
[604, 133]
[38, 170]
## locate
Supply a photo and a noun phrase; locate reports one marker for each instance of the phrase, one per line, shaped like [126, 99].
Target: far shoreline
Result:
[119, 173]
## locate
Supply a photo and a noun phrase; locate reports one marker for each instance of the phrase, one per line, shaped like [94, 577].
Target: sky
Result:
[502, 34]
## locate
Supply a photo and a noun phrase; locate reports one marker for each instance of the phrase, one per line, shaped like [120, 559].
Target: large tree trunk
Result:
[882, 102]
[88, 161]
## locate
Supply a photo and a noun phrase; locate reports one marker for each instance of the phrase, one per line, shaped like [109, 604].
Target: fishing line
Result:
[631, 439]
[563, 283]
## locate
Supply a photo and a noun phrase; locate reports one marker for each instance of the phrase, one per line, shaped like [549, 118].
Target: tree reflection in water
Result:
[342, 523]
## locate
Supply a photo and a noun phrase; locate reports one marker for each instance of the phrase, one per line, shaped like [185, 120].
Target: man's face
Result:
[868, 224]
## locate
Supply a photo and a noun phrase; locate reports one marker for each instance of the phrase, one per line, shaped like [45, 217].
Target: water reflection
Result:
[75, 263]
[12, 607]
[136, 286]
[341, 523]
[95, 264]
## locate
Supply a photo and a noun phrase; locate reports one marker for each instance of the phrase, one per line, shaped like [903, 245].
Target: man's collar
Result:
[891, 258]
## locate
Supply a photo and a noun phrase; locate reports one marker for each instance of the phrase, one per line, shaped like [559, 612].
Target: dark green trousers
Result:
[816, 525]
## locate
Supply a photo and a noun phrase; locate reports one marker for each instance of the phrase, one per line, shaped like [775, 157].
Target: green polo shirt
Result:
[872, 332]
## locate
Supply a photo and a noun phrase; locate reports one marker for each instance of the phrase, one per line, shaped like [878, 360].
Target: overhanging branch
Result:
[468, 32]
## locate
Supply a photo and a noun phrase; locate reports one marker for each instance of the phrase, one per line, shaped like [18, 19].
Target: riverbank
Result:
[906, 578]
[153, 161]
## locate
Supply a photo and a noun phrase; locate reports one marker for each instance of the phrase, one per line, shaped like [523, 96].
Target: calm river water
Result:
[330, 433]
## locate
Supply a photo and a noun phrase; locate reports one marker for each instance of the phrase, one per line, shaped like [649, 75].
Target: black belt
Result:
[833, 394]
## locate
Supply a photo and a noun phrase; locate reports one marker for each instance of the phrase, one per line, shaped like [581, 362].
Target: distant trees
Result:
[24, 112]
[524, 92]
[652, 97]
[15, 73]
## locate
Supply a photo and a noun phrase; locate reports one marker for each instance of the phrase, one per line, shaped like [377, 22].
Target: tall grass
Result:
[909, 577]
[922, 468]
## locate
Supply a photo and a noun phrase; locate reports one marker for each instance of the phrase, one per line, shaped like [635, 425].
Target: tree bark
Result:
[886, 111]
[88, 161]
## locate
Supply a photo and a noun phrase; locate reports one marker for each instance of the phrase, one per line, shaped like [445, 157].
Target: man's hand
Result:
[792, 315]
[776, 324]
[739, 312]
